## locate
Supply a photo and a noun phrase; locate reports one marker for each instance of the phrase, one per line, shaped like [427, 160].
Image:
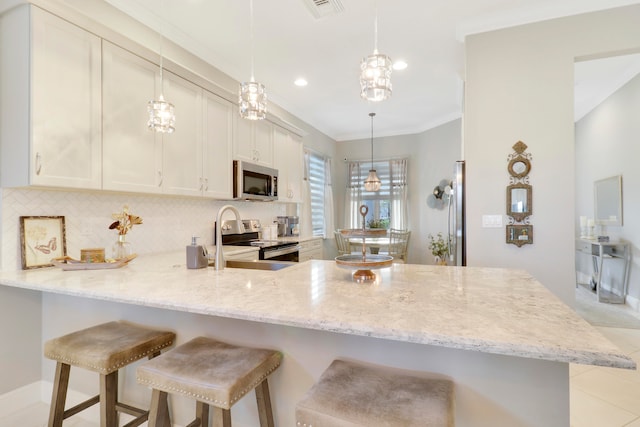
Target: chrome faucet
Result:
[239, 228]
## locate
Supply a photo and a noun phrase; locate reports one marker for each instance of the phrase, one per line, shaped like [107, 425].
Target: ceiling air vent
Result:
[323, 8]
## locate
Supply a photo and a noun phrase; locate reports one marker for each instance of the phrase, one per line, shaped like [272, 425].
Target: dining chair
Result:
[399, 244]
[344, 247]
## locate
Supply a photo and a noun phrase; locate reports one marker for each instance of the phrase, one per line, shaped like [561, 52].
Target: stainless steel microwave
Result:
[254, 182]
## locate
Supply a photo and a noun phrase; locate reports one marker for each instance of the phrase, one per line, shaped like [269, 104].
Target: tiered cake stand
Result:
[363, 264]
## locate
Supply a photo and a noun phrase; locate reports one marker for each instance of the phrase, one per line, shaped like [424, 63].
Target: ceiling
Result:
[289, 42]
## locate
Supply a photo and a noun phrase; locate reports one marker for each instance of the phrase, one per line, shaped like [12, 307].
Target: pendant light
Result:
[162, 116]
[252, 98]
[375, 72]
[372, 183]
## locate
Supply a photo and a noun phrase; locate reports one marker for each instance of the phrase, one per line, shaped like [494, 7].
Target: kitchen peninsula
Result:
[502, 337]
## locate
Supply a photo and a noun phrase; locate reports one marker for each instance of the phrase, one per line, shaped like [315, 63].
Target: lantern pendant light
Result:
[252, 97]
[162, 116]
[372, 183]
[375, 72]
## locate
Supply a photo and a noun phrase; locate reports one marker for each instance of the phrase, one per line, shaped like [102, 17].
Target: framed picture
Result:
[42, 239]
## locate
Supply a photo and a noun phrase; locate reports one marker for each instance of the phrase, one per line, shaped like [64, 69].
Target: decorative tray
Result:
[68, 263]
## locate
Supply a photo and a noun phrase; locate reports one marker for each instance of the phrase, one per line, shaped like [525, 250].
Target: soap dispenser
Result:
[197, 256]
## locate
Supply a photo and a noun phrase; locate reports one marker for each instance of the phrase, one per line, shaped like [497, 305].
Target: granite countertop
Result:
[490, 310]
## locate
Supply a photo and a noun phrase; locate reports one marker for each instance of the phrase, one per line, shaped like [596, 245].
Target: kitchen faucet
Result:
[239, 228]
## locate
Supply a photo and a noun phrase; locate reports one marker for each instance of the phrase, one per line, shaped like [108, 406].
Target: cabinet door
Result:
[65, 104]
[289, 160]
[182, 149]
[132, 155]
[263, 142]
[296, 168]
[243, 147]
[216, 154]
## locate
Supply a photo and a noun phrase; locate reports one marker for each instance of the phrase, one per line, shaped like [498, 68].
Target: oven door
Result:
[282, 253]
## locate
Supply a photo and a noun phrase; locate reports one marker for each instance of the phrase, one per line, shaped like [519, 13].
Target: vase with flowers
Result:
[439, 248]
[124, 221]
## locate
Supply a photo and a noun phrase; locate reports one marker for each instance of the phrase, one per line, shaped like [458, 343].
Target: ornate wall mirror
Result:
[519, 197]
[607, 197]
[519, 201]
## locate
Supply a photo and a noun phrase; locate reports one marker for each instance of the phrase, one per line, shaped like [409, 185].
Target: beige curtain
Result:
[399, 190]
[353, 196]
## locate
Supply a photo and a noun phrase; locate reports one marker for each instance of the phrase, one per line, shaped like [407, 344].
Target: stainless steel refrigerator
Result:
[457, 221]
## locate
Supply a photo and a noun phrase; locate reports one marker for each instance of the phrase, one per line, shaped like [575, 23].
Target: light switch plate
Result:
[491, 221]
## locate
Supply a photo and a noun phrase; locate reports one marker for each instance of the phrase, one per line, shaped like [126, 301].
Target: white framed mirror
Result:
[607, 197]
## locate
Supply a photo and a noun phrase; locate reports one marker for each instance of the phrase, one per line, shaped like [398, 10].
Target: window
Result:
[378, 202]
[387, 207]
[316, 177]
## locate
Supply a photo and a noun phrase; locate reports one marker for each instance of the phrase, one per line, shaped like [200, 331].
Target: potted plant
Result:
[378, 223]
[439, 248]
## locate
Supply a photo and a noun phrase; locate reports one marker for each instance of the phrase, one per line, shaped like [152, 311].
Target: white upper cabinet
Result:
[289, 161]
[51, 125]
[132, 154]
[182, 149]
[217, 147]
[253, 141]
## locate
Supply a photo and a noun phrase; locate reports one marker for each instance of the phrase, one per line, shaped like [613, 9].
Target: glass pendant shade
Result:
[375, 77]
[372, 183]
[252, 101]
[162, 116]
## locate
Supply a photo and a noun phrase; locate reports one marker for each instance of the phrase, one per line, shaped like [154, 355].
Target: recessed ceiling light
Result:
[399, 65]
[300, 82]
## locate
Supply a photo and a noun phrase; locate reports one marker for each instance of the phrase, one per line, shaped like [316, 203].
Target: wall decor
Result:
[42, 239]
[519, 231]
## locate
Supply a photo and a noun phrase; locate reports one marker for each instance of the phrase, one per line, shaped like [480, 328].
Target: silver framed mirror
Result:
[607, 201]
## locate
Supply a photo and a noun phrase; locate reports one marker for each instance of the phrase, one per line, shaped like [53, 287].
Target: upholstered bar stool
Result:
[351, 394]
[103, 349]
[213, 373]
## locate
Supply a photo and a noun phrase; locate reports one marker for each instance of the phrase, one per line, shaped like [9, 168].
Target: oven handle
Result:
[271, 253]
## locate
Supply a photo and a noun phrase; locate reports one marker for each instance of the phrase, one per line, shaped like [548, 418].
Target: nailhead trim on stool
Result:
[104, 349]
[212, 372]
[353, 394]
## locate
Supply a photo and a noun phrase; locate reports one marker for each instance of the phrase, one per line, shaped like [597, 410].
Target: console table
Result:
[601, 251]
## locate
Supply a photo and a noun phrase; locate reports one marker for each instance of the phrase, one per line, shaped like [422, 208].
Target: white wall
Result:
[607, 145]
[519, 86]
[431, 155]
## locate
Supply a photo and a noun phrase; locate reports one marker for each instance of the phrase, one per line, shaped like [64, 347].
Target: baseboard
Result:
[633, 302]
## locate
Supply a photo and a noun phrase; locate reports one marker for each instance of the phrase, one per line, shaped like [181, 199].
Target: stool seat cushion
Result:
[350, 394]
[107, 347]
[210, 371]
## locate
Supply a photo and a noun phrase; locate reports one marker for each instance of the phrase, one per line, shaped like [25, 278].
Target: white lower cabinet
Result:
[289, 161]
[51, 96]
[311, 249]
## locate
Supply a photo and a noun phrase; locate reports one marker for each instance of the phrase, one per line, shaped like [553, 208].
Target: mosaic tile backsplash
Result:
[168, 222]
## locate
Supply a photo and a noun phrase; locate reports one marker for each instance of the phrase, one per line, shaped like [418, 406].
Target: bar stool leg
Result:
[264, 404]
[159, 411]
[202, 413]
[109, 399]
[59, 394]
[221, 417]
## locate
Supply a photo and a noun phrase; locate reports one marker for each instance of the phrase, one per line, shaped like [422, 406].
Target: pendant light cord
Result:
[251, 35]
[372, 115]
[375, 29]
[161, 45]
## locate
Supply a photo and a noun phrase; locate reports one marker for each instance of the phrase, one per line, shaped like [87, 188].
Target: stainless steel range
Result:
[275, 250]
